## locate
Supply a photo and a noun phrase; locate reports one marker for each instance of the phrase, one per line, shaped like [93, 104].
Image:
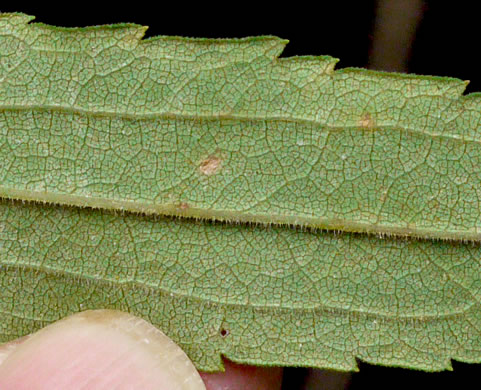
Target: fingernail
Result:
[99, 349]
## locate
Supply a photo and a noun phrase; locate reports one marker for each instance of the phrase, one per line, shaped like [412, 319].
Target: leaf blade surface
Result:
[309, 300]
[129, 124]
[99, 119]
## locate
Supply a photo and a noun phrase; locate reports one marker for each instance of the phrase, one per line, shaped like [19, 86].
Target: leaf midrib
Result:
[173, 209]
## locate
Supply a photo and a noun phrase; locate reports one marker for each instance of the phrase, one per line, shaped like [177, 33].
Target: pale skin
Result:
[76, 354]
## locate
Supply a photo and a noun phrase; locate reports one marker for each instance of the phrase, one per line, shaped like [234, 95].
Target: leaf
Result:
[97, 126]
[224, 130]
[258, 295]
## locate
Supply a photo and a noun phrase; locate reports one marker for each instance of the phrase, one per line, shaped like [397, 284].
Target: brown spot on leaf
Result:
[210, 165]
[184, 206]
[366, 121]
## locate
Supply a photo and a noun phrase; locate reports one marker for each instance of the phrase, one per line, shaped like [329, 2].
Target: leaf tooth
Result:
[295, 67]
[414, 85]
[8, 19]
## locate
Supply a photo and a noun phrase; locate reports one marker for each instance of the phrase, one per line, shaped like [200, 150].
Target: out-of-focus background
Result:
[430, 37]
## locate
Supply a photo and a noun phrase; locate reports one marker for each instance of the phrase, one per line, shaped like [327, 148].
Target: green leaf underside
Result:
[225, 130]
[284, 296]
[96, 117]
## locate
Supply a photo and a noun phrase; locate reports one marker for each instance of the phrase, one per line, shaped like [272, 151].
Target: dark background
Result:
[446, 43]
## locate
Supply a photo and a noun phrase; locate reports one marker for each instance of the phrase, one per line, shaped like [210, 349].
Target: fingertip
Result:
[244, 377]
[100, 349]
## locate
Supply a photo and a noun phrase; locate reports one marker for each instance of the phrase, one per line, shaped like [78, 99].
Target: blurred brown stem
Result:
[394, 30]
